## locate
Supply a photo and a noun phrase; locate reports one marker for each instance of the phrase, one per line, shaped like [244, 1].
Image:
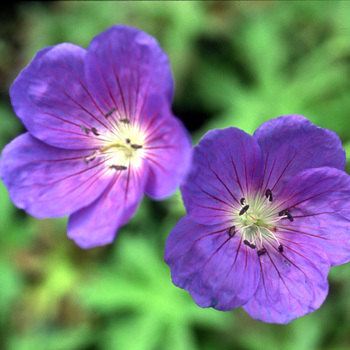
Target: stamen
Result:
[280, 248]
[232, 231]
[125, 120]
[259, 235]
[268, 194]
[110, 112]
[262, 251]
[95, 132]
[243, 210]
[242, 201]
[118, 167]
[250, 245]
[287, 213]
[136, 146]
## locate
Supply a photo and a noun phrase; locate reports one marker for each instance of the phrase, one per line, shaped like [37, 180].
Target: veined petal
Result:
[51, 99]
[219, 271]
[47, 181]
[167, 151]
[226, 167]
[293, 283]
[291, 144]
[318, 200]
[97, 224]
[123, 66]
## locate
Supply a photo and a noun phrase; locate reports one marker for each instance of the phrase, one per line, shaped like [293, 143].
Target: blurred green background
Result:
[235, 64]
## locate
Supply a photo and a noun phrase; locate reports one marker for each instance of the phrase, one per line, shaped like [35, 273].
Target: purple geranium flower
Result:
[100, 133]
[267, 216]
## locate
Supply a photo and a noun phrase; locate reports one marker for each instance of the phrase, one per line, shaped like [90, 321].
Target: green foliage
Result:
[235, 64]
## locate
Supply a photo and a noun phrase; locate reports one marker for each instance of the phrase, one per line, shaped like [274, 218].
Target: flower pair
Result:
[267, 215]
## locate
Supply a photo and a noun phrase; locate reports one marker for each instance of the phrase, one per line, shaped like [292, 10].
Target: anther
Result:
[286, 212]
[268, 194]
[136, 146]
[127, 141]
[262, 251]
[110, 112]
[280, 248]
[86, 130]
[95, 132]
[289, 215]
[243, 210]
[232, 231]
[250, 245]
[125, 120]
[118, 167]
[242, 201]
[90, 158]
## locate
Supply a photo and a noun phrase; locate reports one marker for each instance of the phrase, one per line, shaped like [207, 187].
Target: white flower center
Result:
[122, 145]
[257, 219]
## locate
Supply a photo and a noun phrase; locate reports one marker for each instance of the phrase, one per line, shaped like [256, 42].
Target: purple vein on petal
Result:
[117, 80]
[107, 88]
[64, 102]
[295, 195]
[221, 181]
[215, 197]
[88, 93]
[232, 265]
[196, 240]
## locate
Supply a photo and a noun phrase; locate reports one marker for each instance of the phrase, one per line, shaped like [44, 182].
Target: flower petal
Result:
[51, 99]
[167, 151]
[97, 224]
[48, 181]
[293, 283]
[226, 167]
[291, 144]
[318, 200]
[123, 66]
[217, 270]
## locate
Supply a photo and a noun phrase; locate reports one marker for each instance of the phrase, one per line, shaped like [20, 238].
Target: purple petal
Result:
[217, 270]
[168, 151]
[318, 200]
[48, 181]
[97, 224]
[293, 283]
[226, 167]
[123, 66]
[291, 144]
[51, 99]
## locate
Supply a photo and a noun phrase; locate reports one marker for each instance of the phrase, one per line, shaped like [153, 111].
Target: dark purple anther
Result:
[243, 210]
[110, 112]
[94, 131]
[262, 251]
[250, 245]
[118, 167]
[232, 231]
[268, 194]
